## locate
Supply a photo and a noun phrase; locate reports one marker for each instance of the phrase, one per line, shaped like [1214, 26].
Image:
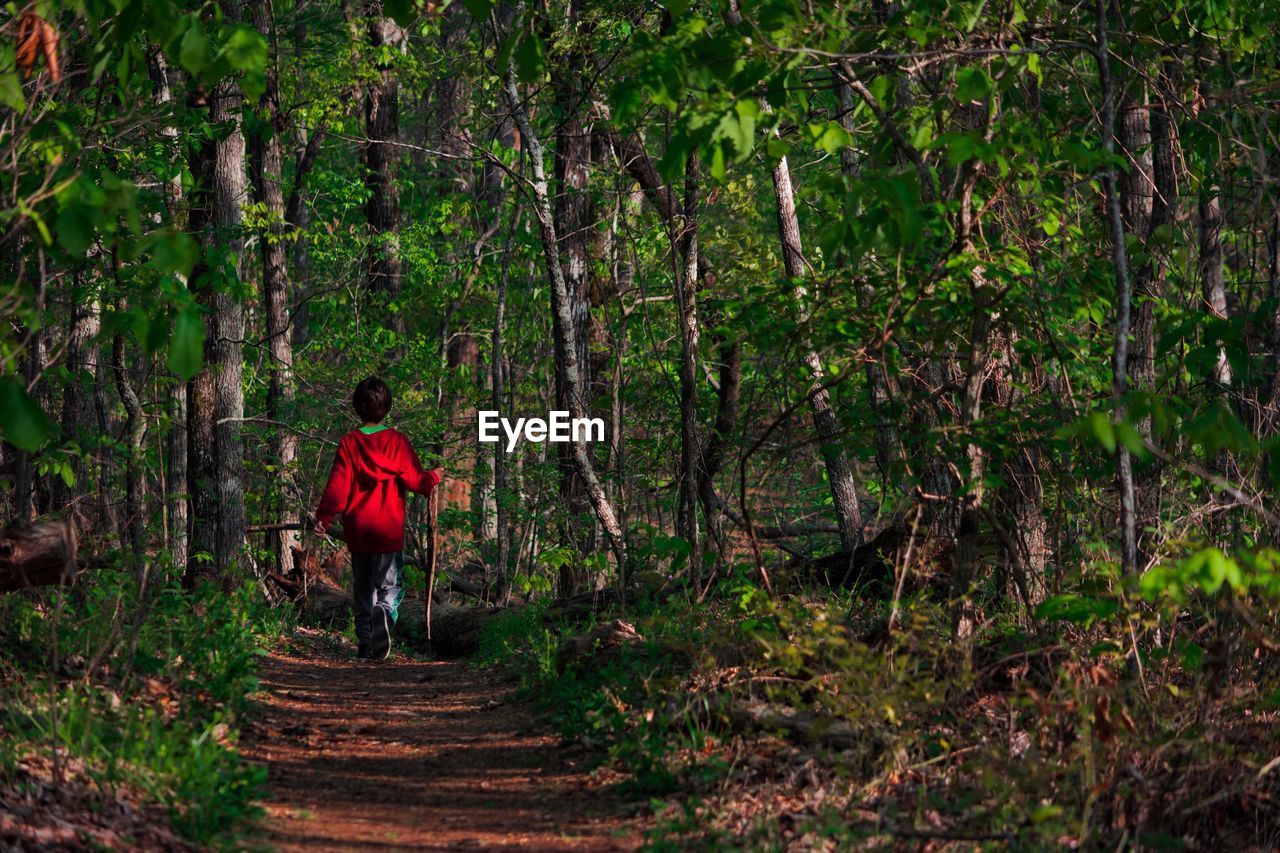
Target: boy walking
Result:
[372, 469]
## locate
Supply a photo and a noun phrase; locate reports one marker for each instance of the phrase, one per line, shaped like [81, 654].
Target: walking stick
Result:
[433, 547]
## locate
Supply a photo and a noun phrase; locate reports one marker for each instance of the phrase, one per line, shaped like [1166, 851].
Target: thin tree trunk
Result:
[135, 426]
[1211, 274]
[497, 388]
[266, 169]
[78, 423]
[566, 345]
[839, 476]
[687, 303]
[1124, 294]
[382, 210]
[575, 218]
[176, 438]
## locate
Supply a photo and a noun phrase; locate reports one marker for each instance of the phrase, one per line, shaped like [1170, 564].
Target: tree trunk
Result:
[565, 342]
[1124, 294]
[497, 388]
[78, 422]
[450, 100]
[1211, 275]
[839, 476]
[574, 219]
[382, 210]
[176, 440]
[215, 406]
[685, 251]
[135, 426]
[266, 169]
[37, 555]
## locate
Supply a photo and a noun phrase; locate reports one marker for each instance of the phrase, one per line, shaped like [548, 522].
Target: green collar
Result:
[367, 430]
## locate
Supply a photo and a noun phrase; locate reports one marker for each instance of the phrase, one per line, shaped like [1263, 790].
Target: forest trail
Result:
[417, 755]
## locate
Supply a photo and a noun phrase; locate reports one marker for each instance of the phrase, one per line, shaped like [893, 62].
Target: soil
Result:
[411, 754]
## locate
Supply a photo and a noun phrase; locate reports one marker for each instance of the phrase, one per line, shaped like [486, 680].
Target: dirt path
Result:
[418, 755]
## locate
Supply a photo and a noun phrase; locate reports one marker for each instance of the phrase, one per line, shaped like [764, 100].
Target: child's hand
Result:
[319, 529]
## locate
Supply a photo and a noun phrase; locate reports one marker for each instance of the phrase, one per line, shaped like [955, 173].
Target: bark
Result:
[135, 427]
[497, 387]
[981, 347]
[1021, 498]
[1270, 416]
[37, 555]
[1211, 274]
[687, 303]
[267, 184]
[1139, 209]
[728, 396]
[565, 342]
[575, 217]
[1124, 294]
[839, 476]
[215, 403]
[382, 128]
[176, 439]
[78, 422]
[450, 99]
[33, 361]
[297, 215]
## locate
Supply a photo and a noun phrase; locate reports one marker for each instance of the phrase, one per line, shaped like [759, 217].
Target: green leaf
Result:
[246, 51]
[22, 422]
[403, 12]
[531, 58]
[173, 252]
[1076, 609]
[75, 231]
[1102, 429]
[194, 51]
[11, 93]
[186, 346]
[830, 136]
[972, 84]
[479, 9]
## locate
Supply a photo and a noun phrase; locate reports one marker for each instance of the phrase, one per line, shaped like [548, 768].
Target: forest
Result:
[934, 350]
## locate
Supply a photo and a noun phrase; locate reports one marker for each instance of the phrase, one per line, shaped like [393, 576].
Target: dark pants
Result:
[377, 583]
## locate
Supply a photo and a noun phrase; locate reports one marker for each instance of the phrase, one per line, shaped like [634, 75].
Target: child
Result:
[372, 469]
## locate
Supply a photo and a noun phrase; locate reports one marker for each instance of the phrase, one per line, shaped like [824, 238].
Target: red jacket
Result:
[371, 472]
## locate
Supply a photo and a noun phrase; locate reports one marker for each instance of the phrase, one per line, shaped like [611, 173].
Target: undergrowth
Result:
[768, 723]
[136, 696]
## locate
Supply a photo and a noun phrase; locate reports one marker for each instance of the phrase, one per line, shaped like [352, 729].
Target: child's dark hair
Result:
[372, 400]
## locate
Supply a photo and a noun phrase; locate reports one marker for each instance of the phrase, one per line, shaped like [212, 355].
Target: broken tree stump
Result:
[37, 554]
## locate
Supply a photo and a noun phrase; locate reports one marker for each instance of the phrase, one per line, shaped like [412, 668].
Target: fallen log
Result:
[797, 725]
[37, 554]
[602, 641]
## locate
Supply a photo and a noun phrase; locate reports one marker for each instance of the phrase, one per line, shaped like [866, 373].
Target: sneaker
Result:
[380, 645]
[363, 652]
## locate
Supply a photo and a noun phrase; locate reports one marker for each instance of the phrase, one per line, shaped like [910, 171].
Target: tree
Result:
[273, 239]
[216, 395]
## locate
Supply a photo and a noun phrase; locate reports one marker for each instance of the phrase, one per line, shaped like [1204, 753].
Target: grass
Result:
[138, 697]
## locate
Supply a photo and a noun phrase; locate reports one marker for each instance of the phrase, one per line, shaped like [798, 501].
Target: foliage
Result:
[164, 686]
